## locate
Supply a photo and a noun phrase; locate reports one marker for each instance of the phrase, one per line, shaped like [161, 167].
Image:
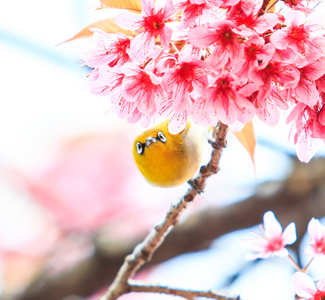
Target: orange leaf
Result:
[271, 6]
[134, 5]
[107, 25]
[247, 138]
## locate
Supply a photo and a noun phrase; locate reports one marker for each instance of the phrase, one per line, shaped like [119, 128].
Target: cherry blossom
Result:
[192, 9]
[316, 233]
[187, 76]
[109, 49]
[216, 60]
[256, 53]
[246, 13]
[152, 24]
[299, 36]
[284, 74]
[106, 81]
[305, 287]
[225, 36]
[141, 87]
[306, 90]
[309, 125]
[266, 110]
[226, 102]
[298, 5]
[273, 241]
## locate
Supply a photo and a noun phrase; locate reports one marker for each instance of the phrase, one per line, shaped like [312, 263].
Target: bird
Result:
[168, 160]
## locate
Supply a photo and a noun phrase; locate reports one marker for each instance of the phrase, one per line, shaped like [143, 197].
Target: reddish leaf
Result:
[247, 138]
[134, 5]
[107, 25]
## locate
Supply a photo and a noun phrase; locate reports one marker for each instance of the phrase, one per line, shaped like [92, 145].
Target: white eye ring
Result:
[161, 137]
[139, 147]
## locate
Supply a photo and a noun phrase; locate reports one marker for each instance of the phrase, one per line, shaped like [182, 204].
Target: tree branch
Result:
[144, 251]
[298, 199]
[136, 286]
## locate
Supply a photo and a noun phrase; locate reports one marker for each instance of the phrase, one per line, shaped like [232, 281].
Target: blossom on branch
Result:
[142, 87]
[316, 233]
[227, 39]
[273, 241]
[216, 60]
[192, 9]
[256, 53]
[228, 104]
[245, 12]
[109, 49]
[305, 287]
[151, 24]
[301, 36]
[309, 124]
[306, 90]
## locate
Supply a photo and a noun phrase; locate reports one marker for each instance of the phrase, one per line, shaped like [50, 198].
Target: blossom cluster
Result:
[273, 242]
[216, 60]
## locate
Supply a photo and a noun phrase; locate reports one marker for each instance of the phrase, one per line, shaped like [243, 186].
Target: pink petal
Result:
[201, 113]
[227, 115]
[218, 58]
[266, 22]
[295, 17]
[317, 48]
[267, 54]
[321, 284]
[296, 111]
[258, 243]
[269, 114]
[289, 234]
[281, 253]
[177, 123]
[280, 39]
[307, 94]
[141, 45]
[304, 286]
[165, 37]
[248, 89]
[201, 37]
[236, 126]
[315, 229]
[315, 70]
[306, 147]
[271, 225]
[148, 7]
[128, 20]
[167, 6]
[254, 74]
[321, 116]
[244, 102]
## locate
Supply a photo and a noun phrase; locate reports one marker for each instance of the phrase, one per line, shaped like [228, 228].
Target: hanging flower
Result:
[151, 23]
[316, 233]
[226, 38]
[273, 241]
[305, 287]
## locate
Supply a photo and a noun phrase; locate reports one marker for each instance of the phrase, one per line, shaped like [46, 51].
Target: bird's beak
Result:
[150, 140]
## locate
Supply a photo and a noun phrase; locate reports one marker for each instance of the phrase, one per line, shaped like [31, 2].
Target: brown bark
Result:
[298, 199]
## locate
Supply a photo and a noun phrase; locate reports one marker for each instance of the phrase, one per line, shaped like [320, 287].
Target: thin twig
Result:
[294, 263]
[136, 286]
[143, 252]
[307, 266]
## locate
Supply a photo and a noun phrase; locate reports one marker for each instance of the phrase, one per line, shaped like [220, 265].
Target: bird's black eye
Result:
[161, 137]
[140, 147]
